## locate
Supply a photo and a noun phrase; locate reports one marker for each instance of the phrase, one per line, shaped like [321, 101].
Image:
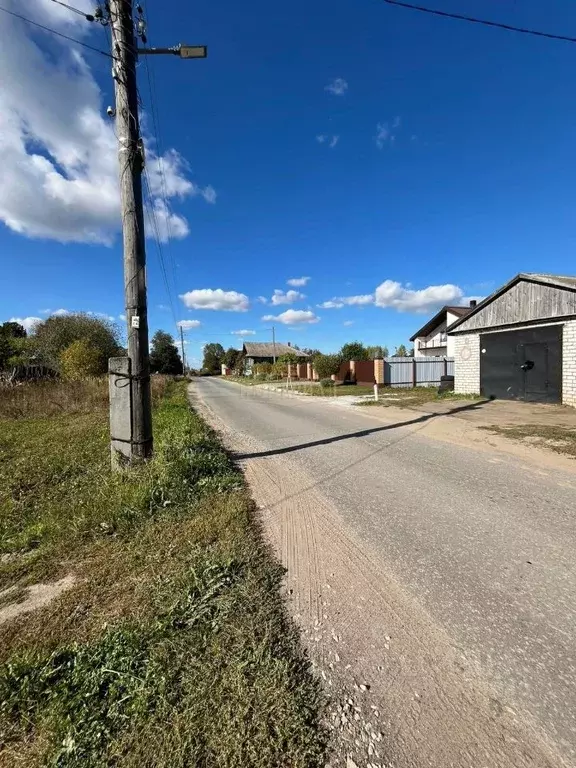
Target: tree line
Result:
[78, 345]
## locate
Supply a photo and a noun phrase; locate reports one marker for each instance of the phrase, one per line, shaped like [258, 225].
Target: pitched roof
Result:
[439, 318]
[565, 282]
[269, 349]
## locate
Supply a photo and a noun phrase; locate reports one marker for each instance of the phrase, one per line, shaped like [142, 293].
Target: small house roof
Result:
[270, 349]
[438, 318]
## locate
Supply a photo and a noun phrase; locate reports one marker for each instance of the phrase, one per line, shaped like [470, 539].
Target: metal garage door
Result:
[522, 365]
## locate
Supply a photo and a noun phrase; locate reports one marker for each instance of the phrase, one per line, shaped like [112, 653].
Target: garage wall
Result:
[467, 364]
[569, 364]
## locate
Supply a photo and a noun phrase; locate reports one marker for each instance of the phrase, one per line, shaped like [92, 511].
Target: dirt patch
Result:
[16, 601]
[559, 439]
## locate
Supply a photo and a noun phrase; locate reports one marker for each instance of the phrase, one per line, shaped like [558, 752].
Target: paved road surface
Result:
[443, 573]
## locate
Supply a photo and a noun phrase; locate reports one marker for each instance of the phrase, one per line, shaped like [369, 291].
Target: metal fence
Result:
[416, 371]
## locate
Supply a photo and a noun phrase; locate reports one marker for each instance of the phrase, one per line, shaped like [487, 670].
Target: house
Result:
[520, 342]
[432, 340]
[254, 352]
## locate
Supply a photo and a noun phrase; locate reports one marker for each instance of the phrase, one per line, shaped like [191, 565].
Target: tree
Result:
[385, 352]
[311, 352]
[56, 334]
[376, 352]
[164, 357]
[354, 350]
[213, 357]
[13, 330]
[80, 360]
[401, 351]
[231, 358]
[327, 365]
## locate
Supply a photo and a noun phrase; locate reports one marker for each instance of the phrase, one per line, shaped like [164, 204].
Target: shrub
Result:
[263, 368]
[80, 360]
[327, 365]
[326, 383]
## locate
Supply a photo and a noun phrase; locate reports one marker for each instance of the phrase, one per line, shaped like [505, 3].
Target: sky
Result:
[339, 170]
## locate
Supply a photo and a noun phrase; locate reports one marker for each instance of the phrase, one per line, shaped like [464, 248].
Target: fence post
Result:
[445, 366]
[120, 391]
[414, 372]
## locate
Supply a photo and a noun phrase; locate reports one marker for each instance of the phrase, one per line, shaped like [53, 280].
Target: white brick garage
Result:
[520, 342]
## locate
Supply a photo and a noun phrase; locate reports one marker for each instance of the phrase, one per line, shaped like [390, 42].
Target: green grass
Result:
[357, 390]
[413, 397]
[559, 439]
[173, 648]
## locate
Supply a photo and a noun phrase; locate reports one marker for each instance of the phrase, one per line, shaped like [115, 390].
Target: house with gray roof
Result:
[255, 352]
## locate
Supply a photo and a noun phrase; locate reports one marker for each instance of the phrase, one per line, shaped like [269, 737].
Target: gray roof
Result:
[269, 349]
[565, 282]
[438, 318]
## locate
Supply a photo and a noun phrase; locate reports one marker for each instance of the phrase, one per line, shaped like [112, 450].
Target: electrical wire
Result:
[87, 16]
[485, 22]
[58, 34]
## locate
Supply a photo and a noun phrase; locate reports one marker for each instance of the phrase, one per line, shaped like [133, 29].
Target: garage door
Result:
[522, 365]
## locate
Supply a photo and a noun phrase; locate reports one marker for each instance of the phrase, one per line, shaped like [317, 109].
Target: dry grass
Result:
[51, 398]
[559, 439]
[414, 396]
[173, 648]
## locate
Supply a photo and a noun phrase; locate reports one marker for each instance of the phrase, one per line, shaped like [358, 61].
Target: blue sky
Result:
[380, 153]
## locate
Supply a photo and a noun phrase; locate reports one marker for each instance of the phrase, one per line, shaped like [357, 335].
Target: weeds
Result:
[558, 439]
[173, 648]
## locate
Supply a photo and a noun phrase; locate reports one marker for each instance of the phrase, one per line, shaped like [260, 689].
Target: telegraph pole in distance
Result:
[131, 162]
[183, 355]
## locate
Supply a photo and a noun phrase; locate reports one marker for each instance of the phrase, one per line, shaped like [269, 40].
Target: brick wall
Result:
[569, 363]
[467, 364]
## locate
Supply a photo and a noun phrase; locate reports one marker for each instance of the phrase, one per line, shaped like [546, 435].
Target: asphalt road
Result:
[485, 543]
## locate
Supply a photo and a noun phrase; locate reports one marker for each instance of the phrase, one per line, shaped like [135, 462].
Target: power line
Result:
[485, 22]
[54, 32]
[87, 16]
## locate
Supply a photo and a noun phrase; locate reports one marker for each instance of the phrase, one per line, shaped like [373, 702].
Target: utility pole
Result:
[125, 52]
[274, 342]
[183, 355]
[131, 160]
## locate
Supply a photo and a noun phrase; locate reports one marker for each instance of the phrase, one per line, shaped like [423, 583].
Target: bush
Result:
[326, 383]
[263, 368]
[327, 365]
[81, 360]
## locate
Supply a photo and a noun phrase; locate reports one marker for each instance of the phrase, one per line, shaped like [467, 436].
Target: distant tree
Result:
[385, 352]
[375, 352]
[50, 338]
[213, 357]
[164, 357]
[80, 360]
[290, 357]
[311, 352]
[401, 351]
[13, 330]
[231, 358]
[354, 350]
[327, 365]
[411, 352]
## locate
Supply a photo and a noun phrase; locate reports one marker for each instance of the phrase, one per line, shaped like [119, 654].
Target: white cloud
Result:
[243, 333]
[321, 138]
[27, 322]
[293, 317]
[334, 141]
[298, 282]
[288, 297]
[262, 299]
[58, 151]
[386, 133]
[217, 299]
[60, 312]
[427, 300]
[343, 301]
[187, 324]
[122, 318]
[338, 86]
[348, 322]
[330, 140]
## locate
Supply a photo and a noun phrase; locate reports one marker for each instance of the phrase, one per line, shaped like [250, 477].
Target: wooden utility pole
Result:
[131, 161]
[182, 347]
[120, 17]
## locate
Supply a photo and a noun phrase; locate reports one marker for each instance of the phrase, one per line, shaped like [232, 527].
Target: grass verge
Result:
[559, 439]
[356, 390]
[413, 397]
[173, 647]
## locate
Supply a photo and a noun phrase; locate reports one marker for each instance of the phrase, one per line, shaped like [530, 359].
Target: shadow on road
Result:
[361, 433]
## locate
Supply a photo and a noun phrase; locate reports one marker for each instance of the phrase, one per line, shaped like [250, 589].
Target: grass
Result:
[173, 648]
[413, 397]
[357, 390]
[559, 439]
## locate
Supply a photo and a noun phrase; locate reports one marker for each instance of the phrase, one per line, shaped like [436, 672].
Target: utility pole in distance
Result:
[131, 162]
[182, 347]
